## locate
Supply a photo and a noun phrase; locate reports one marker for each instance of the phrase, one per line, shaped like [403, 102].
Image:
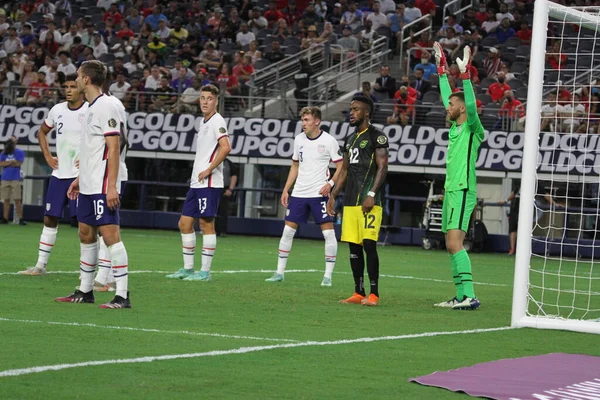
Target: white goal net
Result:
[557, 267]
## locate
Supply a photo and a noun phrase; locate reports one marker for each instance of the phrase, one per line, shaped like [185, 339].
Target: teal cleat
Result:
[199, 276]
[326, 282]
[181, 274]
[275, 278]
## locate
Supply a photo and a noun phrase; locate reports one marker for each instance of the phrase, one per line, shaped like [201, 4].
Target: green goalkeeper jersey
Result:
[463, 141]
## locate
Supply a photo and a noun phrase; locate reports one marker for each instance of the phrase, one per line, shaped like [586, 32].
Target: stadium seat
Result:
[384, 31]
[523, 52]
[488, 121]
[291, 41]
[292, 50]
[479, 57]
[436, 119]
[486, 82]
[488, 42]
[516, 84]
[380, 96]
[431, 97]
[269, 39]
[107, 58]
[521, 93]
[485, 99]
[518, 68]
[228, 47]
[262, 63]
[512, 43]
[509, 57]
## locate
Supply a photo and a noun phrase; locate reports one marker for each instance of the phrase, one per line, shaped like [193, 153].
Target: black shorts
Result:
[513, 222]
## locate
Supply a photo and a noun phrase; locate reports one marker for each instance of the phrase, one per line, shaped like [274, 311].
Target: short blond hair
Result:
[311, 110]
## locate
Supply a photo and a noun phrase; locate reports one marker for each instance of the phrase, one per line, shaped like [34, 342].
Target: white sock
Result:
[118, 255]
[330, 251]
[47, 240]
[87, 265]
[285, 246]
[188, 243]
[104, 263]
[209, 244]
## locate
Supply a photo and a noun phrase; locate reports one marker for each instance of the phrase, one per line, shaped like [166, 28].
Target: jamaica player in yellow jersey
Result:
[363, 171]
[465, 136]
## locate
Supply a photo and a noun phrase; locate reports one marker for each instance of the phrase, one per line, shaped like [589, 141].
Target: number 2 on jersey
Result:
[353, 156]
[59, 128]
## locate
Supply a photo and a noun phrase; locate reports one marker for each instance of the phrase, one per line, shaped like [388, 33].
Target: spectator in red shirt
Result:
[555, 59]
[113, 13]
[426, 7]
[524, 33]
[497, 89]
[243, 69]
[291, 14]
[404, 108]
[273, 14]
[36, 92]
[482, 14]
[512, 111]
[125, 31]
[423, 42]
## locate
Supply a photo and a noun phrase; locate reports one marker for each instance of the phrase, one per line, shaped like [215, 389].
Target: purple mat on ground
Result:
[547, 377]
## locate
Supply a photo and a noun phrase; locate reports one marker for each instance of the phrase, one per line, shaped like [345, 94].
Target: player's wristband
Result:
[371, 194]
[331, 182]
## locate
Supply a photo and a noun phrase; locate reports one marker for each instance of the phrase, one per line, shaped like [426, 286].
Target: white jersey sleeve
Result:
[102, 121]
[123, 173]
[314, 155]
[207, 148]
[335, 152]
[67, 124]
[296, 154]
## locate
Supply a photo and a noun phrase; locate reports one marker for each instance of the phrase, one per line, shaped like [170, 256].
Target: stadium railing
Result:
[405, 36]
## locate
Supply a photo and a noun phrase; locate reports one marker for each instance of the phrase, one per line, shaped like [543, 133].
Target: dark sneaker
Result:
[77, 297]
[22, 222]
[118, 302]
[3, 221]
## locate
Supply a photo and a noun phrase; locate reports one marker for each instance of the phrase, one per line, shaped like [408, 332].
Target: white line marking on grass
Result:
[266, 271]
[240, 350]
[126, 328]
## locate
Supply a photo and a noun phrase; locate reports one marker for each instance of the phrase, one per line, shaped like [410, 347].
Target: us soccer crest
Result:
[81, 118]
[90, 116]
[48, 206]
[321, 148]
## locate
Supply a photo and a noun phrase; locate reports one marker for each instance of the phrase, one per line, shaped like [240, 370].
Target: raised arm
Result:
[464, 65]
[442, 69]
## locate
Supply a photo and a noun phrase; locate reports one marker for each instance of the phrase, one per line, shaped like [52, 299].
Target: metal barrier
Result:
[455, 4]
[426, 19]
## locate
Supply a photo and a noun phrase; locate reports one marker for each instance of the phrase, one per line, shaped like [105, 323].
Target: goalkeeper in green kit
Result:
[465, 136]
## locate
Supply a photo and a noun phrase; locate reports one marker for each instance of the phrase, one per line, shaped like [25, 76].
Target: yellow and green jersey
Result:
[463, 141]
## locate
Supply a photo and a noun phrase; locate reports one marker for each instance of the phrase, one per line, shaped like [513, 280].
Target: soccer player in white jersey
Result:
[66, 119]
[202, 201]
[97, 188]
[105, 281]
[313, 151]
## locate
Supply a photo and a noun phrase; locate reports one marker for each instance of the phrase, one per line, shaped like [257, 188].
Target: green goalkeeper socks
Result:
[463, 267]
[457, 282]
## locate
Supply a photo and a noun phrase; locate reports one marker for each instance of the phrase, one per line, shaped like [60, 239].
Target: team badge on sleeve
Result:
[112, 123]
[382, 139]
[222, 130]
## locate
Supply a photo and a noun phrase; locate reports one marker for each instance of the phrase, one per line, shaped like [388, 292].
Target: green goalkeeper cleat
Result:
[181, 274]
[202, 276]
[275, 278]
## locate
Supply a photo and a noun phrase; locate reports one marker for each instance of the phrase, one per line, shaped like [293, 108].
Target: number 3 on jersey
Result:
[353, 155]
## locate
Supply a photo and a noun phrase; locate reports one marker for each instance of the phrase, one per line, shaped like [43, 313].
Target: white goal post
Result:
[554, 289]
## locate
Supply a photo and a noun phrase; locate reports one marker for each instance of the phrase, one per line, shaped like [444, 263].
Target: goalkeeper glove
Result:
[464, 65]
[440, 58]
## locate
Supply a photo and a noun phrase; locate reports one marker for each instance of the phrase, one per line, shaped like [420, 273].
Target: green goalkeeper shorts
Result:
[457, 209]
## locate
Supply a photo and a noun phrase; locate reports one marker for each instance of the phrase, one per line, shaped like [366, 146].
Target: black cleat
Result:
[77, 297]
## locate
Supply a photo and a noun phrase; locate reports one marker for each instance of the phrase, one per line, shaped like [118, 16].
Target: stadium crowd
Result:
[159, 51]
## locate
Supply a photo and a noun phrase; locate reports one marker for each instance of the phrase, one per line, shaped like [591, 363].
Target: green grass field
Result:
[240, 337]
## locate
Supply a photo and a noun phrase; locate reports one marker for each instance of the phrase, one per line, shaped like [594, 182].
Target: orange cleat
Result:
[371, 301]
[354, 299]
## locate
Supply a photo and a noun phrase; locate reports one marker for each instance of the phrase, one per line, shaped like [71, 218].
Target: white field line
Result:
[127, 328]
[268, 271]
[240, 350]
